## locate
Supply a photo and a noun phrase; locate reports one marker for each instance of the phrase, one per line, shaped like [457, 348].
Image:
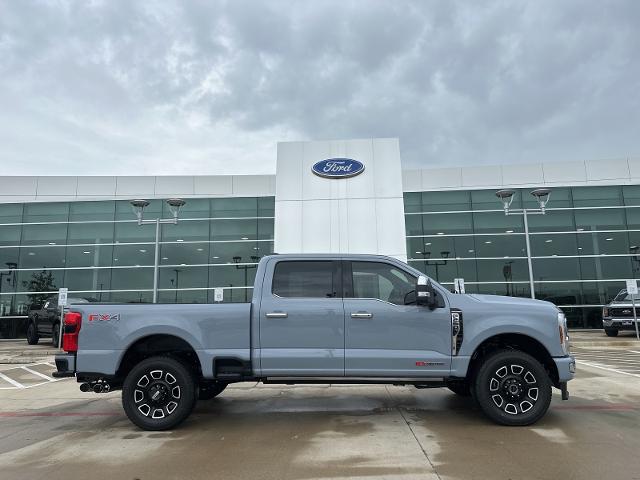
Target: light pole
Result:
[542, 196]
[444, 255]
[236, 260]
[175, 204]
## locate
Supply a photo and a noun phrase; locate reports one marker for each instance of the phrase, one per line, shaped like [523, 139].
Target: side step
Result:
[417, 382]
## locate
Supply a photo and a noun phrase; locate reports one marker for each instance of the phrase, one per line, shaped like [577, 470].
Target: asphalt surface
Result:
[51, 430]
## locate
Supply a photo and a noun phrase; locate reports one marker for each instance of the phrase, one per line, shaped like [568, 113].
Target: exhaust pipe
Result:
[85, 387]
[98, 388]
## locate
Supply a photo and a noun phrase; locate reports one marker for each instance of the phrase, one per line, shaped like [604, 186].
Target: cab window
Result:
[383, 281]
[308, 279]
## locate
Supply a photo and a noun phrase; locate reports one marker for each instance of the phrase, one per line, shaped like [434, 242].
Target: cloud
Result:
[121, 87]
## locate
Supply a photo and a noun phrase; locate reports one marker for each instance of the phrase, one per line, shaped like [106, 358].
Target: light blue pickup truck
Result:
[323, 319]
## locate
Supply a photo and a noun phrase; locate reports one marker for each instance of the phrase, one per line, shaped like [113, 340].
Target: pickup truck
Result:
[618, 314]
[323, 319]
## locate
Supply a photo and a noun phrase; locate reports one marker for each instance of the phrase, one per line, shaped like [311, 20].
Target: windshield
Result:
[623, 296]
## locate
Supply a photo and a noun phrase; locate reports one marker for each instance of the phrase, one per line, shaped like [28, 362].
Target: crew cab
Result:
[323, 319]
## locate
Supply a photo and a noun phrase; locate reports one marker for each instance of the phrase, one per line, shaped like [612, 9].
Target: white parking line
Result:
[589, 364]
[38, 374]
[11, 381]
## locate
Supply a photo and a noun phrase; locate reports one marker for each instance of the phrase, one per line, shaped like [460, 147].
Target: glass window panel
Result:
[304, 280]
[10, 235]
[502, 270]
[231, 276]
[44, 234]
[382, 281]
[234, 207]
[132, 278]
[193, 230]
[11, 213]
[600, 293]
[555, 269]
[633, 218]
[9, 255]
[597, 196]
[631, 194]
[233, 295]
[509, 289]
[265, 229]
[552, 221]
[560, 293]
[134, 255]
[596, 268]
[248, 252]
[500, 246]
[549, 244]
[130, 297]
[90, 233]
[182, 296]
[127, 232]
[445, 201]
[184, 277]
[266, 206]
[436, 224]
[413, 224]
[93, 256]
[605, 219]
[42, 257]
[16, 305]
[412, 202]
[184, 253]
[124, 210]
[46, 212]
[39, 280]
[234, 229]
[603, 243]
[90, 279]
[497, 222]
[92, 211]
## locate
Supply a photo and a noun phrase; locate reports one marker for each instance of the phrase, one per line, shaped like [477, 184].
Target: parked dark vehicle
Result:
[44, 319]
[618, 314]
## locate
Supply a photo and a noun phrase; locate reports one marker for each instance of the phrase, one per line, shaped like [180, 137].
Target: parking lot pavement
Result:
[331, 432]
[619, 360]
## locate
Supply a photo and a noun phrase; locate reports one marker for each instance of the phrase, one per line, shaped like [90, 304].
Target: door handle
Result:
[361, 315]
[276, 315]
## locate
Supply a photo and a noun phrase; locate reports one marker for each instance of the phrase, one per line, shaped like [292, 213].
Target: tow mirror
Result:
[425, 293]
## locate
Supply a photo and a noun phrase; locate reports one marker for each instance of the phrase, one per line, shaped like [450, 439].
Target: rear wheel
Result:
[611, 332]
[512, 388]
[32, 334]
[159, 393]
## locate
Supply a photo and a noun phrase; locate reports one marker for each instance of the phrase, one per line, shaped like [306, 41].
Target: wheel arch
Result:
[158, 344]
[514, 341]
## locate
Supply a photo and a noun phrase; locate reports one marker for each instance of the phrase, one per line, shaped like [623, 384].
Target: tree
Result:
[40, 282]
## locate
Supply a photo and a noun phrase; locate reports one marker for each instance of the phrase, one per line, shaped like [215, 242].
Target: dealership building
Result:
[82, 232]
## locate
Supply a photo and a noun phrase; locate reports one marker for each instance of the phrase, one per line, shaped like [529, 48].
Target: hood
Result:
[502, 299]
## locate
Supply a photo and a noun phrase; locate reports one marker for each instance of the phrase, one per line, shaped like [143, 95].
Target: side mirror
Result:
[425, 293]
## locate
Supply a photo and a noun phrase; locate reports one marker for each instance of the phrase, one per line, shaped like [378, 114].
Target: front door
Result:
[302, 319]
[387, 334]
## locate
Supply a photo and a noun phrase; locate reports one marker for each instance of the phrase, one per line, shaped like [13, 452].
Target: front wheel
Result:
[512, 388]
[158, 393]
[611, 332]
[32, 334]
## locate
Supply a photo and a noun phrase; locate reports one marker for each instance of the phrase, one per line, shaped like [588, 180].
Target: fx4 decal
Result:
[104, 317]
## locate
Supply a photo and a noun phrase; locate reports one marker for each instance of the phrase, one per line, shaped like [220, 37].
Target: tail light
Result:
[72, 324]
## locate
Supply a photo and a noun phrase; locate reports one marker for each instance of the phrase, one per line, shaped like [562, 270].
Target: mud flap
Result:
[564, 390]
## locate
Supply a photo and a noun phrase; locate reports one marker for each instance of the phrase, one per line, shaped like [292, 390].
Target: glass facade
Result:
[582, 249]
[97, 249]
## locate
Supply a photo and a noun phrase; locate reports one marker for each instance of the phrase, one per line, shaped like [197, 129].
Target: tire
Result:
[171, 381]
[611, 332]
[32, 334]
[460, 387]
[512, 388]
[210, 390]
[55, 335]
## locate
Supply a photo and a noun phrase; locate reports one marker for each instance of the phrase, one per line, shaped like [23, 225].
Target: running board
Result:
[418, 382]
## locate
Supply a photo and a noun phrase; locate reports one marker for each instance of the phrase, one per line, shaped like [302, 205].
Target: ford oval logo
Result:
[338, 168]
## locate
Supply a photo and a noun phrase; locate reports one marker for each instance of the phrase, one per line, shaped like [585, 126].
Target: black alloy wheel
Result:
[32, 334]
[611, 332]
[159, 393]
[512, 388]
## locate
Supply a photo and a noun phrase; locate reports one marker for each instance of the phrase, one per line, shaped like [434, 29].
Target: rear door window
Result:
[308, 279]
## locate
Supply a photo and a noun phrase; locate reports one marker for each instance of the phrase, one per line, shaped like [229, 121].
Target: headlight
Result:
[605, 311]
[563, 332]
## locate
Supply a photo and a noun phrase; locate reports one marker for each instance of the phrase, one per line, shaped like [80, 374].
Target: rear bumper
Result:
[65, 365]
[566, 368]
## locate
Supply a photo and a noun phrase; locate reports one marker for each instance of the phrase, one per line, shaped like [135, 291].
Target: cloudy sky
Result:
[162, 87]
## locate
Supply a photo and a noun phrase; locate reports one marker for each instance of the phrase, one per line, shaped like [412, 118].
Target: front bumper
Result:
[66, 365]
[619, 323]
[566, 368]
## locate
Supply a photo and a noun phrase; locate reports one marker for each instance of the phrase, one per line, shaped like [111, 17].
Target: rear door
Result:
[302, 319]
[387, 334]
